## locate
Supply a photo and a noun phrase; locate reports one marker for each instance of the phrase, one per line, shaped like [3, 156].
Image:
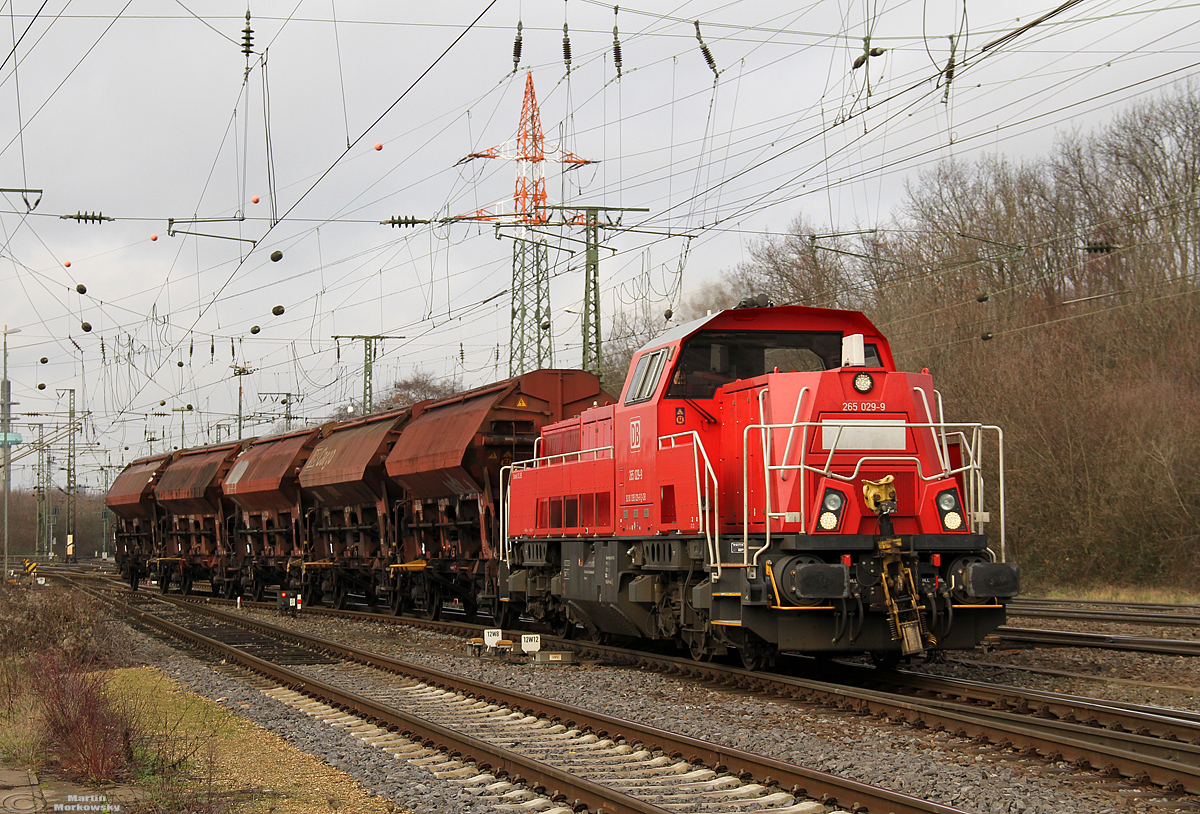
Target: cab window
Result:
[714, 358]
[644, 380]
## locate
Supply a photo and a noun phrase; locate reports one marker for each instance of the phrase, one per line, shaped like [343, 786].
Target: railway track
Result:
[1146, 744]
[511, 746]
[1005, 635]
[1132, 614]
[1105, 641]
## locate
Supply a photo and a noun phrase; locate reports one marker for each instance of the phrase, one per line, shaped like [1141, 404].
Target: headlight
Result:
[950, 510]
[830, 510]
[863, 382]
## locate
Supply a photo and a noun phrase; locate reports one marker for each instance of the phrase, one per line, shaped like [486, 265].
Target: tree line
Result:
[1055, 297]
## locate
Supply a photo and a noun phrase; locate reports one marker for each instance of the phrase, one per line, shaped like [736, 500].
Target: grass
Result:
[177, 751]
[215, 758]
[67, 708]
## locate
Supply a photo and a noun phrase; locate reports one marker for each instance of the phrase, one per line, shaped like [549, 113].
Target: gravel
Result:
[931, 765]
[409, 787]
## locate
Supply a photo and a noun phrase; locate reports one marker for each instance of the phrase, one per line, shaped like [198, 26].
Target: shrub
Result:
[94, 734]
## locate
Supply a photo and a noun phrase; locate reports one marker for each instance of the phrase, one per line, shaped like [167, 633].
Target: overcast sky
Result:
[149, 111]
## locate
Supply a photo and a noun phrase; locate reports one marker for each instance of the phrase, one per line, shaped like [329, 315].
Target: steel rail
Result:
[1066, 638]
[1160, 607]
[1166, 763]
[1126, 617]
[565, 785]
[801, 781]
[1169, 724]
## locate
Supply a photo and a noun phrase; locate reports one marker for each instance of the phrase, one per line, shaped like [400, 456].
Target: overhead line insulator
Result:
[247, 36]
[517, 48]
[708, 57]
[566, 47]
[403, 220]
[616, 44]
[86, 217]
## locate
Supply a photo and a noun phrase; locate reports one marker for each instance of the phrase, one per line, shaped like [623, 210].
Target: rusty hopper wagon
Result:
[136, 531]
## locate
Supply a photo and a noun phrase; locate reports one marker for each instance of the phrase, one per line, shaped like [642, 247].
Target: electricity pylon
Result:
[531, 341]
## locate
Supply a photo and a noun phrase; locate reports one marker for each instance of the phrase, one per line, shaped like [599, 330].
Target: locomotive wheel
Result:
[508, 614]
[563, 627]
[885, 659]
[756, 656]
[699, 650]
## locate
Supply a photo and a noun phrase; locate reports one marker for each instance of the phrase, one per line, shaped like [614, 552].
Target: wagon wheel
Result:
[372, 597]
[164, 582]
[340, 592]
[185, 584]
[433, 601]
[257, 590]
[233, 589]
[400, 602]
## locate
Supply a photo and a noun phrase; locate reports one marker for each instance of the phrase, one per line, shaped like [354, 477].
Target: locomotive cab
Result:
[767, 481]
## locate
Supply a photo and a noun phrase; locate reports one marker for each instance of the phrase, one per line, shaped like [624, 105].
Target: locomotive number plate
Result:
[863, 406]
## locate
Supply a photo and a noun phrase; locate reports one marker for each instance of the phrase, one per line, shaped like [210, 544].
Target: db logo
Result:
[635, 434]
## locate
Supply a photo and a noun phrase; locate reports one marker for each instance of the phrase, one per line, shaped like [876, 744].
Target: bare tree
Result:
[419, 386]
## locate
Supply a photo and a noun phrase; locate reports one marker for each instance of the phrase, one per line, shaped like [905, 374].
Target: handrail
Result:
[746, 482]
[706, 503]
[505, 500]
[531, 463]
[787, 450]
[534, 463]
[971, 466]
[943, 459]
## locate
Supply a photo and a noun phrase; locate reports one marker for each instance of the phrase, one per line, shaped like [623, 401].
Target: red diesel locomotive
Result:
[768, 481]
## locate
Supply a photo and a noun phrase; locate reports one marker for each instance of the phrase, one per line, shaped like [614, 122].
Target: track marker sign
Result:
[531, 642]
[491, 636]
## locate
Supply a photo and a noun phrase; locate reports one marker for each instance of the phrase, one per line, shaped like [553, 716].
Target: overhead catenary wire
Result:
[733, 195]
